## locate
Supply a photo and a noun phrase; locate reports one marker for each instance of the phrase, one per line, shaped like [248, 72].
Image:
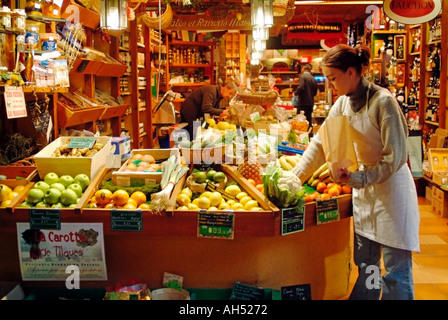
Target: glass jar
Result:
[18, 20]
[34, 7]
[51, 9]
[5, 17]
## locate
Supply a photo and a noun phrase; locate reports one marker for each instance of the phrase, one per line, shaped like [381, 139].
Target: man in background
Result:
[305, 92]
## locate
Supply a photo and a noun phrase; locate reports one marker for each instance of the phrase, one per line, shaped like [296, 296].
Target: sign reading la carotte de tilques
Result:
[412, 11]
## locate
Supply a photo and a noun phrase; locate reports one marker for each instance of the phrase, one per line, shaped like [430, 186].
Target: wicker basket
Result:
[200, 188]
[259, 98]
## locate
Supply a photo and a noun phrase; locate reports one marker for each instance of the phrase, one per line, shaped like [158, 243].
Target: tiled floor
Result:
[431, 263]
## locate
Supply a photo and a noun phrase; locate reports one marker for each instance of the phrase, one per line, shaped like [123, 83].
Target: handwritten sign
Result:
[296, 292]
[15, 102]
[42, 218]
[216, 225]
[327, 210]
[242, 291]
[80, 142]
[126, 220]
[293, 220]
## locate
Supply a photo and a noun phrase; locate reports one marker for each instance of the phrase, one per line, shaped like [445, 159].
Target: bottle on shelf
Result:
[400, 49]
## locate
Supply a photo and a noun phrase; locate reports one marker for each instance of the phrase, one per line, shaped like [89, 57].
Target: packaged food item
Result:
[34, 7]
[33, 35]
[18, 19]
[48, 41]
[51, 9]
[5, 17]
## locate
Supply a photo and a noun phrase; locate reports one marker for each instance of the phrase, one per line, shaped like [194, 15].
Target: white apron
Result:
[386, 212]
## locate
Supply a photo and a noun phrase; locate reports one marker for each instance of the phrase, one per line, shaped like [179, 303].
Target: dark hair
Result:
[343, 56]
[308, 67]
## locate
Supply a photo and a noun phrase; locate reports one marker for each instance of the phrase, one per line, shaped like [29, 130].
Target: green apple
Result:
[66, 180]
[42, 185]
[51, 178]
[52, 195]
[77, 188]
[83, 180]
[73, 205]
[68, 196]
[58, 186]
[35, 195]
[42, 204]
[25, 204]
[57, 205]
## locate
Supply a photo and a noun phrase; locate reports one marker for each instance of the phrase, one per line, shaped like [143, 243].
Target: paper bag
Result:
[337, 142]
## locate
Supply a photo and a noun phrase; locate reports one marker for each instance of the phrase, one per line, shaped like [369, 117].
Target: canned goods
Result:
[18, 19]
[5, 17]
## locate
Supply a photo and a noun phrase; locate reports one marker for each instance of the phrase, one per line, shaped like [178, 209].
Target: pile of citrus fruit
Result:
[119, 199]
[325, 191]
[7, 194]
[214, 200]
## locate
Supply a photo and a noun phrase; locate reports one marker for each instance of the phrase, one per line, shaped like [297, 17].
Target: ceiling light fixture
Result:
[113, 14]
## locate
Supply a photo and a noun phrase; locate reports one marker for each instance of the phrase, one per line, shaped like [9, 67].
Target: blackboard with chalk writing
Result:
[242, 291]
[296, 292]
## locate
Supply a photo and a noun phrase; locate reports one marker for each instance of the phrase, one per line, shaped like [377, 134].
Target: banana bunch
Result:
[321, 174]
[287, 162]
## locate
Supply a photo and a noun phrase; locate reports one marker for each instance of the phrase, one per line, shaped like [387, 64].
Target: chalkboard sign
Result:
[327, 210]
[293, 220]
[126, 220]
[81, 142]
[43, 218]
[242, 291]
[296, 292]
[216, 225]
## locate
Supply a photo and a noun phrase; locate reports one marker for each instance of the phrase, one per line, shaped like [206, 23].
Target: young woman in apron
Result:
[385, 206]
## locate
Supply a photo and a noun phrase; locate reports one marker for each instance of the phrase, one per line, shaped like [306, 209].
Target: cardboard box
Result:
[121, 145]
[46, 162]
[137, 178]
[438, 139]
[439, 202]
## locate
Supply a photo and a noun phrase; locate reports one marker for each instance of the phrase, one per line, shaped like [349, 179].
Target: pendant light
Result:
[113, 14]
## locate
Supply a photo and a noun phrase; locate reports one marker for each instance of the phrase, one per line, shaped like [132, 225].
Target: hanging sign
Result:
[46, 255]
[412, 11]
[15, 102]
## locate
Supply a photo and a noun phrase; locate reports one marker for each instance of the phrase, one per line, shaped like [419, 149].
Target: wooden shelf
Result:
[192, 43]
[189, 84]
[190, 65]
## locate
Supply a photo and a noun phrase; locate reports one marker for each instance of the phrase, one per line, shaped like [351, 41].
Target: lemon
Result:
[195, 201]
[182, 199]
[12, 195]
[215, 198]
[212, 208]
[18, 188]
[241, 195]
[192, 206]
[231, 202]
[237, 206]
[204, 203]
[245, 199]
[250, 204]
[222, 125]
[233, 189]
[256, 209]
[206, 194]
[224, 206]
[187, 191]
[211, 122]
[183, 208]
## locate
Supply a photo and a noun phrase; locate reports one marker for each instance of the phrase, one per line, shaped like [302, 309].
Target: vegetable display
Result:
[283, 188]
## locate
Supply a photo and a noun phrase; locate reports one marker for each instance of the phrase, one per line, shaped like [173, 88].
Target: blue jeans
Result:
[396, 284]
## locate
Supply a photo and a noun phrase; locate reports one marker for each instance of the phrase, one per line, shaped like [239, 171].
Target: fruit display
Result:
[288, 162]
[8, 194]
[118, 199]
[55, 191]
[64, 151]
[142, 163]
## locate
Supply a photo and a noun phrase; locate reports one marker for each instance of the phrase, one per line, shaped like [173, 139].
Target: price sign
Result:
[80, 142]
[15, 102]
[216, 225]
[126, 220]
[293, 220]
[327, 210]
[242, 291]
[43, 218]
[296, 292]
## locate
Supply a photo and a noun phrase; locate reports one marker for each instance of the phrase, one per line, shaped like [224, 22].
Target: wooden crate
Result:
[46, 163]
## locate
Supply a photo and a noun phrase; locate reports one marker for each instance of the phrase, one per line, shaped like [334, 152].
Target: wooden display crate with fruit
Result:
[11, 191]
[144, 166]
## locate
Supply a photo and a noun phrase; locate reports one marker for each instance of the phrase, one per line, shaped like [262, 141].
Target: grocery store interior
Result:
[96, 167]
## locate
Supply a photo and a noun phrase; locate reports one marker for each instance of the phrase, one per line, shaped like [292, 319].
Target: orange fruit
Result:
[324, 196]
[120, 197]
[251, 181]
[132, 201]
[110, 205]
[346, 190]
[339, 187]
[144, 206]
[307, 198]
[260, 187]
[334, 191]
[314, 195]
[321, 186]
[139, 197]
[129, 205]
[103, 196]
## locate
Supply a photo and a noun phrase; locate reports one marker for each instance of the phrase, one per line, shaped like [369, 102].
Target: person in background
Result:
[305, 92]
[205, 99]
[385, 205]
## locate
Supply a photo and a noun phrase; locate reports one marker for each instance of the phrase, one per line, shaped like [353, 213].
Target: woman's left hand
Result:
[344, 175]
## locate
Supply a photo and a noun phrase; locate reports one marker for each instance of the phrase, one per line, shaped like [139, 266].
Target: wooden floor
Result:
[430, 265]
